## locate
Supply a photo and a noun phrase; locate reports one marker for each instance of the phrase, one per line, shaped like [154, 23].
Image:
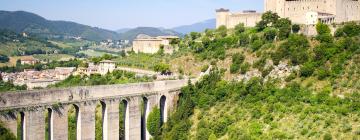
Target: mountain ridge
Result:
[196, 27]
[22, 21]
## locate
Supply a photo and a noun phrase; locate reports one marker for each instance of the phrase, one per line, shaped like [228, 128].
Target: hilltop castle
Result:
[305, 12]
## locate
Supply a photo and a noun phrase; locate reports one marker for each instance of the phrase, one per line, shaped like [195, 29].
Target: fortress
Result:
[304, 12]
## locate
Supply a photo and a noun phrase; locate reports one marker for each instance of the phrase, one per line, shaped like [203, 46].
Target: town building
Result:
[148, 44]
[106, 66]
[303, 12]
[38, 79]
[28, 60]
[102, 68]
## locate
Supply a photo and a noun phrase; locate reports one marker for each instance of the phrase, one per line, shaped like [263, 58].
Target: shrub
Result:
[161, 67]
[349, 30]
[4, 59]
[204, 68]
[153, 122]
[324, 38]
[243, 39]
[238, 58]
[234, 68]
[5, 134]
[307, 69]
[240, 28]
[322, 73]
[270, 34]
[327, 136]
[322, 28]
[256, 45]
[295, 28]
[244, 68]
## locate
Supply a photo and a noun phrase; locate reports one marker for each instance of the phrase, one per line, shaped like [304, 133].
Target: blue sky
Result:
[117, 14]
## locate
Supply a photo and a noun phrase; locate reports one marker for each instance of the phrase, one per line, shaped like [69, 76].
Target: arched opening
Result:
[163, 110]
[124, 120]
[144, 114]
[21, 128]
[74, 123]
[101, 121]
[49, 124]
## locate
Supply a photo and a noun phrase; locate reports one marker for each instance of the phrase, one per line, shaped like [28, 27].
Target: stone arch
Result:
[49, 124]
[22, 126]
[104, 119]
[124, 119]
[145, 135]
[163, 109]
[74, 122]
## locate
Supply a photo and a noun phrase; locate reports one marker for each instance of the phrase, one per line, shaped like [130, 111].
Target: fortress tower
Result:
[221, 17]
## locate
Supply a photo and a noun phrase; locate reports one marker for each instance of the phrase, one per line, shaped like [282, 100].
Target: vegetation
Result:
[307, 107]
[257, 110]
[153, 123]
[116, 77]
[72, 123]
[7, 86]
[162, 68]
[5, 134]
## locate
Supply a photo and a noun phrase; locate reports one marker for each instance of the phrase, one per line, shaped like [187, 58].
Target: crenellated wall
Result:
[33, 104]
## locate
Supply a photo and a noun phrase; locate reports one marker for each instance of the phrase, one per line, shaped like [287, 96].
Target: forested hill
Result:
[283, 85]
[131, 34]
[20, 21]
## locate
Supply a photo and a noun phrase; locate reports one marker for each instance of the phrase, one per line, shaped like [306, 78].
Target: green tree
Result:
[162, 68]
[270, 34]
[240, 28]
[322, 28]
[284, 26]
[222, 31]
[4, 58]
[153, 123]
[350, 29]
[307, 69]
[295, 28]
[5, 134]
[268, 19]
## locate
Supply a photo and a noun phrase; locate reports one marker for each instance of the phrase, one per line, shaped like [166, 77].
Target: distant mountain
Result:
[120, 31]
[151, 31]
[20, 21]
[197, 27]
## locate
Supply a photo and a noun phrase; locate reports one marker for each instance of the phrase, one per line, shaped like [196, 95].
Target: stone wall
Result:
[230, 20]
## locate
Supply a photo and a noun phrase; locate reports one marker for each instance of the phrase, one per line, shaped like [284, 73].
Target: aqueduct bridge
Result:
[29, 107]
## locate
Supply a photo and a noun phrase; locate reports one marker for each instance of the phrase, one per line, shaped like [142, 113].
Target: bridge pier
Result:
[134, 118]
[34, 124]
[87, 121]
[60, 123]
[112, 131]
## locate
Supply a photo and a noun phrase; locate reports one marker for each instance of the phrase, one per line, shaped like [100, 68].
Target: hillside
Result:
[269, 82]
[20, 21]
[151, 31]
[13, 44]
[196, 27]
